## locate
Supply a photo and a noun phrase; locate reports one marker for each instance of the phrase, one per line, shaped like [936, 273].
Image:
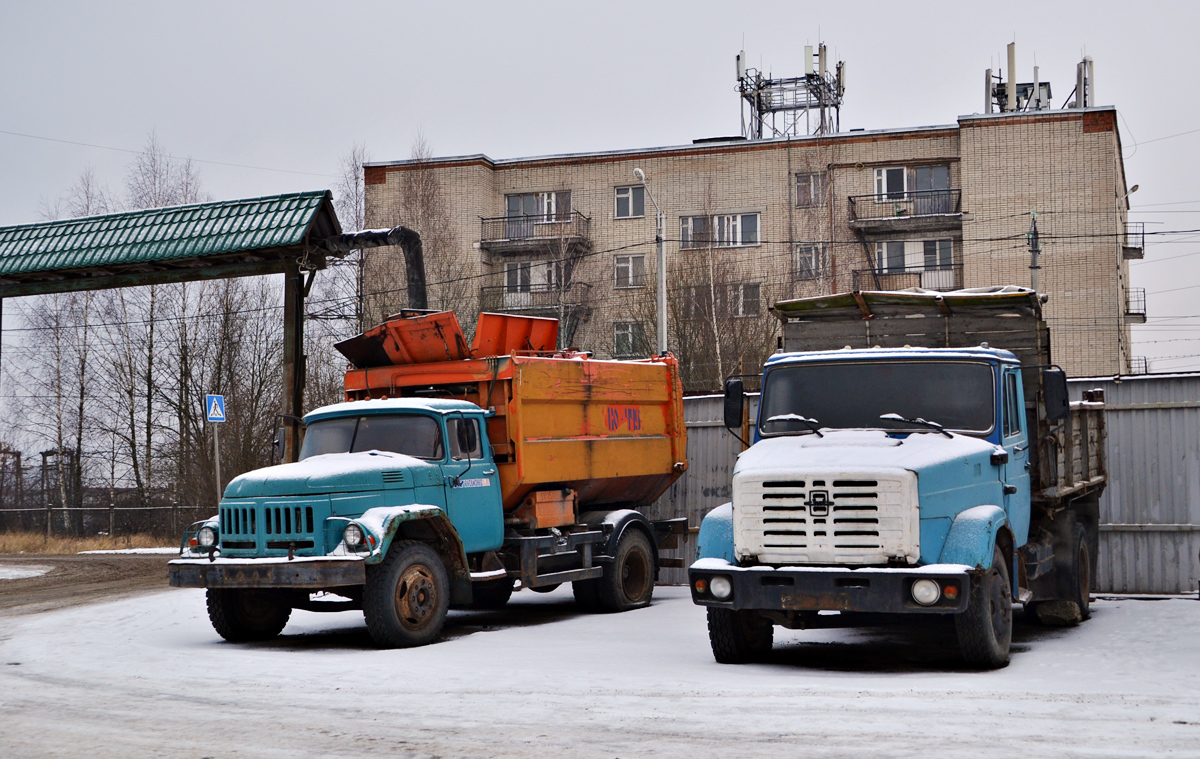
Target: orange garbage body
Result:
[612, 431]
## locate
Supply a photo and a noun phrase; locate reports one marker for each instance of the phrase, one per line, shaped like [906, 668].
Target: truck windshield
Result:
[958, 395]
[412, 435]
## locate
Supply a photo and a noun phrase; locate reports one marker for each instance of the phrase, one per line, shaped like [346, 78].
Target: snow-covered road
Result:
[148, 677]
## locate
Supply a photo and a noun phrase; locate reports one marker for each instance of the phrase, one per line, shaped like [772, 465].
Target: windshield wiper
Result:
[812, 424]
[931, 425]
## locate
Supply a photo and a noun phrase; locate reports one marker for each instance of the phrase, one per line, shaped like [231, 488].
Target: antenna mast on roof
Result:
[809, 104]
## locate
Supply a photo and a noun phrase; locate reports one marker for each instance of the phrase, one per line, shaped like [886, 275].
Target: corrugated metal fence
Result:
[1150, 511]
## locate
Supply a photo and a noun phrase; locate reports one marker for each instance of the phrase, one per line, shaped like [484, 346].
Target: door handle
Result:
[489, 471]
[1020, 449]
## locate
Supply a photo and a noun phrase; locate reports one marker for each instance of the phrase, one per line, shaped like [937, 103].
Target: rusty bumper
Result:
[830, 588]
[266, 573]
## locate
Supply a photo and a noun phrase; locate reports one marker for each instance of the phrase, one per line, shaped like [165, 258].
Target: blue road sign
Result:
[216, 407]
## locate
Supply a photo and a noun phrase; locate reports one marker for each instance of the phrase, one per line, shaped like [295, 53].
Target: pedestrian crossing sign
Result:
[216, 407]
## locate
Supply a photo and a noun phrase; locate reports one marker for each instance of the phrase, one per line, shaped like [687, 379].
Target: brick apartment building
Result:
[749, 223]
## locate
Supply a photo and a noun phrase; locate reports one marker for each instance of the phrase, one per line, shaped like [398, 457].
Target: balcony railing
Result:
[1133, 246]
[523, 232]
[896, 206]
[943, 278]
[1135, 309]
[539, 297]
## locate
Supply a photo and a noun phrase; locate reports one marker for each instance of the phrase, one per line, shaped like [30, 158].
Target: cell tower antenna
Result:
[796, 106]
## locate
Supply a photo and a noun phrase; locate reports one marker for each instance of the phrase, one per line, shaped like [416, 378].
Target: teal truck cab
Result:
[927, 478]
[449, 475]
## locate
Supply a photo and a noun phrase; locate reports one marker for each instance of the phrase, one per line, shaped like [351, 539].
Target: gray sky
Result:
[289, 87]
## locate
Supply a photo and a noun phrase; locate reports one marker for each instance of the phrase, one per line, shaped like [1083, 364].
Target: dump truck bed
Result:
[612, 431]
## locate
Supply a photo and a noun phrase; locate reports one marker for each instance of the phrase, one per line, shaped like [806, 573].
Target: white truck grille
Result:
[830, 518]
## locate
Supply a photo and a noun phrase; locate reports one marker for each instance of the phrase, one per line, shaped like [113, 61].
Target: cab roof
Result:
[892, 354]
[391, 405]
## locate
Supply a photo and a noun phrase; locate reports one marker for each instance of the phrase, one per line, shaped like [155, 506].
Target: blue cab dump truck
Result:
[451, 473]
[914, 453]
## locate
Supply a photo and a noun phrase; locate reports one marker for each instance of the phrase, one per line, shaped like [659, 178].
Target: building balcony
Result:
[1133, 245]
[943, 278]
[918, 211]
[534, 299]
[559, 233]
[1135, 308]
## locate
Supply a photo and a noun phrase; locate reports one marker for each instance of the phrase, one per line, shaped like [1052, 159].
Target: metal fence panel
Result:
[1150, 511]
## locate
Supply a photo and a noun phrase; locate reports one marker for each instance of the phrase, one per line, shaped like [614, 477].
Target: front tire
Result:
[241, 616]
[738, 636]
[985, 628]
[406, 597]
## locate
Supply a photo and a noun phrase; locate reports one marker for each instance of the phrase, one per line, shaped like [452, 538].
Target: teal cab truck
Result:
[914, 453]
[451, 473]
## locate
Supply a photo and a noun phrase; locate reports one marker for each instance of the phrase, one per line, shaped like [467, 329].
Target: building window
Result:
[517, 276]
[631, 271]
[809, 262]
[541, 206]
[930, 178]
[890, 184]
[731, 300]
[939, 254]
[629, 339]
[742, 299]
[811, 189]
[722, 231]
[929, 261]
[631, 202]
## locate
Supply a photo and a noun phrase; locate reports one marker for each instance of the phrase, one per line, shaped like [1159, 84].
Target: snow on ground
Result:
[22, 572]
[148, 676]
[167, 551]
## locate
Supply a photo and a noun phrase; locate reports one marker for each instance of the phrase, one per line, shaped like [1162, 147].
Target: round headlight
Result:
[206, 537]
[721, 587]
[926, 592]
[353, 535]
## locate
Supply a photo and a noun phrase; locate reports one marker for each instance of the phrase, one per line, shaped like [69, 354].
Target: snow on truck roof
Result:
[388, 405]
[890, 354]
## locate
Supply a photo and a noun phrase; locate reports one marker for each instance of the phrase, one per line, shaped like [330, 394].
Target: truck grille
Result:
[827, 518]
[271, 524]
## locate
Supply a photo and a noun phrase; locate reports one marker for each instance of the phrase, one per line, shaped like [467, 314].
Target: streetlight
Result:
[660, 230]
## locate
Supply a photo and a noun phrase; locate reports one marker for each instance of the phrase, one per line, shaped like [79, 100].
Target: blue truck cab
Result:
[886, 481]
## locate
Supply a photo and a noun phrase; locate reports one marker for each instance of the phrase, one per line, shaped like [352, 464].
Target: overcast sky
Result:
[265, 96]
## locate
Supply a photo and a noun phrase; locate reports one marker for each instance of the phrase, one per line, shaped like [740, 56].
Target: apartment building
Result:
[751, 222]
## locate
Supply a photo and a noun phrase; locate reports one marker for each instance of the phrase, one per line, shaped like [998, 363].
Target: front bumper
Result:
[313, 573]
[870, 589]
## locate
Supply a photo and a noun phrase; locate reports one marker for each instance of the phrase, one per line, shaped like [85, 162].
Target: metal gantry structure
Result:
[795, 106]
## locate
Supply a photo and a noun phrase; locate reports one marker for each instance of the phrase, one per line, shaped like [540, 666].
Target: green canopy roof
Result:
[201, 241]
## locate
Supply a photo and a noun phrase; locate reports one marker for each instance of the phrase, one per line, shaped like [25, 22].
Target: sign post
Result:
[215, 408]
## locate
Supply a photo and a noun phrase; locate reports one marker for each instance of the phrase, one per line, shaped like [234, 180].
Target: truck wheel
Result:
[493, 594]
[406, 596]
[985, 628]
[738, 636]
[628, 582]
[240, 616]
[1077, 606]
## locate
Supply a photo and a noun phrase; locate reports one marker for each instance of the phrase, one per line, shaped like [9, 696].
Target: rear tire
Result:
[406, 597]
[628, 582]
[738, 636]
[241, 616]
[985, 628]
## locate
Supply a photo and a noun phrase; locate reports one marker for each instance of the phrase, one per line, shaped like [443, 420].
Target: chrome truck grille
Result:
[271, 524]
[829, 518]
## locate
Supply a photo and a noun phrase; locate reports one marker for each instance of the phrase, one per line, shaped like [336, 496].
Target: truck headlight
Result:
[721, 587]
[206, 537]
[926, 592]
[353, 535]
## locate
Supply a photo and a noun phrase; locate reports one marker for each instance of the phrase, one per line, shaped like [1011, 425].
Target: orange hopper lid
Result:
[413, 337]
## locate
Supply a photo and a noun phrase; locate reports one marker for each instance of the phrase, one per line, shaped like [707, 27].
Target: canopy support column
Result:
[293, 358]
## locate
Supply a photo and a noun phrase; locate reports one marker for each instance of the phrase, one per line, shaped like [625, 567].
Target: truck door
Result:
[1015, 439]
[473, 486]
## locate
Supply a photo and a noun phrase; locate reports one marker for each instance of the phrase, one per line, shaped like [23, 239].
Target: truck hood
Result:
[859, 450]
[335, 473]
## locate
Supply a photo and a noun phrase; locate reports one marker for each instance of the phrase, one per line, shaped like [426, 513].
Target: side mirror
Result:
[279, 444]
[466, 436]
[735, 400]
[1054, 391]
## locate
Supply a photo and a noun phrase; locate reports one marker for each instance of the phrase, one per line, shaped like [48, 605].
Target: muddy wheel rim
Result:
[416, 597]
[635, 574]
